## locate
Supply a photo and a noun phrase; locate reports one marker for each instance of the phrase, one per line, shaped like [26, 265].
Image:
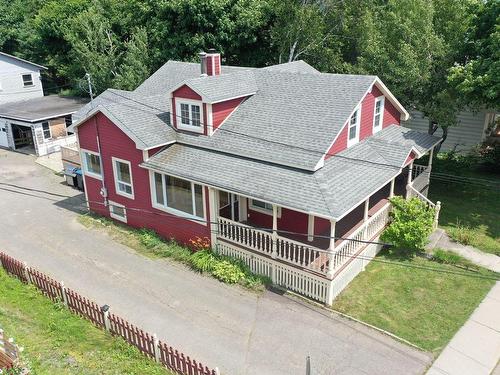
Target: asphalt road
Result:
[239, 331]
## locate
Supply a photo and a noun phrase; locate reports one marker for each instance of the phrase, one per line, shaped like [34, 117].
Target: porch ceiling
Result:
[331, 192]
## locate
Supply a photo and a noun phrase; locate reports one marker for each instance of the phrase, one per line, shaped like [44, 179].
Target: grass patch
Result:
[470, 213]
[423, 306]
[149, 243]
[57, 342]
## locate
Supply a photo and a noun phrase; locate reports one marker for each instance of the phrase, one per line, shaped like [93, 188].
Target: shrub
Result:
[462, 234]
[149, 238]
[411, 224]
[447, 257]
[228, 272]
[204, 261]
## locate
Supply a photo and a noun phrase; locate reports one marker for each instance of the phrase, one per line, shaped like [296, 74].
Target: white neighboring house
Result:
[472, 129]
[19, 79]
[38, 126]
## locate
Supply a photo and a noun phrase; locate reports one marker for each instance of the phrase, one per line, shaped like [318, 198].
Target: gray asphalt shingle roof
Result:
[43, 108]
[334, 190]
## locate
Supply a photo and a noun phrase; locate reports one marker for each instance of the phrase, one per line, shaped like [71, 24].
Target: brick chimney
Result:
[213, 63]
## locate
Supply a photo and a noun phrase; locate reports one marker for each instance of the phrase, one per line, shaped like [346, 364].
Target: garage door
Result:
[3, 135]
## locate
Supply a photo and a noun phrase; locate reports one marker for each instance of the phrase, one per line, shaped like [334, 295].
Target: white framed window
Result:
[122, 171]
[46, 130]
[91, 164]
[117, 211]
[378, 113]
[27, 80]
[263, 207]
[178, 196]
[189, 115]
[353, 127]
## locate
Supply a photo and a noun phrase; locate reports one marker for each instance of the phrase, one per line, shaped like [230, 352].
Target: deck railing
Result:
[300, 254]
[412, 192]
[357, 239]
[420, 176]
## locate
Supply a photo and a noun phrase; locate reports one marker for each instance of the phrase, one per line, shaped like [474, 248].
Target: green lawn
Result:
[58, 342]
[422, 306]
[470, 214]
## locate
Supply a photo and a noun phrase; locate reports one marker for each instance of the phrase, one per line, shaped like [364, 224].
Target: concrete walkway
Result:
[241, 332]
[52, 161]
[475, 348]
[439, 239]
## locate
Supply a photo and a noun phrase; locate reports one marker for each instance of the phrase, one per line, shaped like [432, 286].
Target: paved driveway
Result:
[236, 330]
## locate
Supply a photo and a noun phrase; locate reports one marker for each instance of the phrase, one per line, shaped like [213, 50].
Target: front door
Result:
[229, 206]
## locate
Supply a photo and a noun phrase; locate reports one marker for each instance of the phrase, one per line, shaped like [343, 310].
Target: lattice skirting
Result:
[300, 281]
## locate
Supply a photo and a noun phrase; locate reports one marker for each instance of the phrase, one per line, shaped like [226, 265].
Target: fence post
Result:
[105, 313]
[63, 292]
[156, 345]
[436, 214]
[26, 274]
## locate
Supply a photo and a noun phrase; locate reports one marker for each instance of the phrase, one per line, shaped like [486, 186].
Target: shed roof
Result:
[23, 60]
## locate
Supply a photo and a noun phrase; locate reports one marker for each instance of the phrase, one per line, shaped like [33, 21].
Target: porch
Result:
[307, 253]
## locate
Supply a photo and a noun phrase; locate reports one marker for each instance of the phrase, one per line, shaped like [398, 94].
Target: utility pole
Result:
[87, 75]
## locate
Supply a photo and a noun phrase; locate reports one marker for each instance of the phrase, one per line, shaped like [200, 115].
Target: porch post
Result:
[243, 213]
[331, 250]
[275, 232]
[408, 183]
[310, 228]
[431, 154]
[331, 265]
[365, 216]
[393, 181]
[213, 203]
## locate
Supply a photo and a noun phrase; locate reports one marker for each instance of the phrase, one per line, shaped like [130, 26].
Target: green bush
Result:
[462, 234]
[446, 257]
[204, 261]
[149, 238]
[228, 272]
[411, 224]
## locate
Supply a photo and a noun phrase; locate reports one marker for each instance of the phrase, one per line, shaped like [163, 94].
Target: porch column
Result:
[391, 193]
[213, 203]
[365, 216]
[331, 250]
[408, 182]
[310, 228]
[431, 154]
[275, 232]
[243, 213]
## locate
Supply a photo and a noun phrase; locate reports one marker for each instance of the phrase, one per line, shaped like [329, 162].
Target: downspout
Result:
[104, 191]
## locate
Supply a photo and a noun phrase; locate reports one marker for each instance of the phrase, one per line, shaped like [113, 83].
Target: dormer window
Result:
[353, 131]
[189, 115]
[378, 114]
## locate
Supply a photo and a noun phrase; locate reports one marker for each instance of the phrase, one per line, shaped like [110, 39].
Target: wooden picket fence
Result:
[148, 344]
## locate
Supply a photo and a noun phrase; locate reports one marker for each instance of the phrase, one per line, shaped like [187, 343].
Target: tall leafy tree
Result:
[134, 67]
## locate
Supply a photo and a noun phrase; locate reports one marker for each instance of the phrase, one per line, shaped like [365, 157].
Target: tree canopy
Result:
[435, 55]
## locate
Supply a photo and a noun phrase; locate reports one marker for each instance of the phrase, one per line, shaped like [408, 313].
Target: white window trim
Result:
[115, 175]
[115, 216]
[84, 163]
[43, 131]
[263, 210]
[351, 142]
[178, 115]
[170, 210]
[380, 99]
[32, 80]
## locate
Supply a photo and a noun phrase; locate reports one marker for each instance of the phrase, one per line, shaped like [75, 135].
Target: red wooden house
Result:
[285, 167]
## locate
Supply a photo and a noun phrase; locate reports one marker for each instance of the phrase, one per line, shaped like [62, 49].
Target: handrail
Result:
[422, 197]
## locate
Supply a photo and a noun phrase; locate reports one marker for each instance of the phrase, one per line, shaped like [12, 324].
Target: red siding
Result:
[293, 221]
[213, 64]
[391, 116]
[220, 111]
[140, 213]
[410, 158]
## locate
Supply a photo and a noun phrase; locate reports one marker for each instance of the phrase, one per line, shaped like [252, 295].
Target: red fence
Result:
[145, 342]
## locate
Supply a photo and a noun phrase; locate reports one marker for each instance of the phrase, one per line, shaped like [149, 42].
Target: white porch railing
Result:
[412, 192]
[420, 176]
[300, 254]
[356, 240]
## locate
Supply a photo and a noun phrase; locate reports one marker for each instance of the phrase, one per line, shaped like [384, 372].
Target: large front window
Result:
[189, 116]
[92, 164]
[177, 194]
[123, 178]
[264, 207]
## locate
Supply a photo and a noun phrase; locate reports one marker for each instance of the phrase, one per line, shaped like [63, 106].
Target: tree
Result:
[477, 79]
[134, 68]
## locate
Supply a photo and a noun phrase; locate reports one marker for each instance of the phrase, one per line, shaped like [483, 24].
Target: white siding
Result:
[11, 82]
[469, 132]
